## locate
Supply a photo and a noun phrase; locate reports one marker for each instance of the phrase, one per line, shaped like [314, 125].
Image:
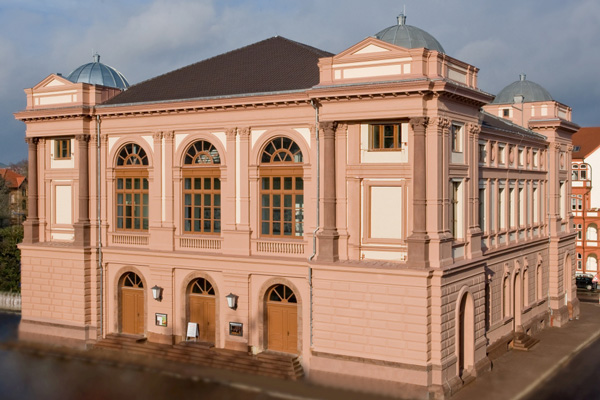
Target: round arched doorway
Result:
[282, 319]
[132, 304]
[201, 308]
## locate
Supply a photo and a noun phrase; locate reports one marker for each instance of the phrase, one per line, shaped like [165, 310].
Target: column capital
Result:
[82, 138]
[157, 136]
[418, 123]
[32, 140]
[328, 128]
[169, 135]
[231, 133]
[244, 133]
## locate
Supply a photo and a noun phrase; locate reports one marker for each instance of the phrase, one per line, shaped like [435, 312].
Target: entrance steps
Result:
[276, 365]
[523, 341]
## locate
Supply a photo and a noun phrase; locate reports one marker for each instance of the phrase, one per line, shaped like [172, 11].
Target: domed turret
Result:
[409, 36]
[530, 92]
[97, 73]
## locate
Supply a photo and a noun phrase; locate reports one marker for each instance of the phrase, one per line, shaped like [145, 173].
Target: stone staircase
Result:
[523, 341]
[276, 365]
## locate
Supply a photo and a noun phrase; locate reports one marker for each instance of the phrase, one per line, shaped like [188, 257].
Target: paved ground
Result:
[514, 375]
[517, 373]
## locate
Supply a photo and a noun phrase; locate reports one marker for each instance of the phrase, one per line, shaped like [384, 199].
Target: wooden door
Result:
[282, 327]
[132, 311]
[202, 311]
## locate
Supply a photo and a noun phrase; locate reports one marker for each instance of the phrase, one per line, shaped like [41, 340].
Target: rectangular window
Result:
[456, 211]
[282, 206]
[521, 157]
[536, 206]
[457, 138]
[561, 206]
[506, 112]
[482, 153]
[482, 210]
[522, 207]
[132, 204]
[501, 155]
[202, 204]
[385, 137]
[512, 211]
[493, 201]
[62, 149]
[501, 209]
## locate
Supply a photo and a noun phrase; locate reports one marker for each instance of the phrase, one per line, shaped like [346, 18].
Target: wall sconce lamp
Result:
[157, 293]
[232, 300]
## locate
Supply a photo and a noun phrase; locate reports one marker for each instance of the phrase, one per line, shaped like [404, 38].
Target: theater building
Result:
[361, 209]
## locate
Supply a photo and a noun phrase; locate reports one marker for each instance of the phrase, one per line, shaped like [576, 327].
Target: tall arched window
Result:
[592, 263]
[201, 189]
[539, 282]
[132, 188]
[592, 232]
[281, 189]
[506, 297]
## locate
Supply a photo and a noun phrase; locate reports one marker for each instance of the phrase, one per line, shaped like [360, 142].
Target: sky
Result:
[556, 43]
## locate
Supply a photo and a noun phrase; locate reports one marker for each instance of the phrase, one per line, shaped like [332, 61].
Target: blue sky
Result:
[556, 43]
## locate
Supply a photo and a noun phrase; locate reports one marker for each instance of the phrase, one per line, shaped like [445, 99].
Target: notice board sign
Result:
[192, 330]
[161, 319]
[236, 329]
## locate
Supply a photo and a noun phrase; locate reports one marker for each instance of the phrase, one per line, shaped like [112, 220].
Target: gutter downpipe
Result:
[99, 220]
[314, 253]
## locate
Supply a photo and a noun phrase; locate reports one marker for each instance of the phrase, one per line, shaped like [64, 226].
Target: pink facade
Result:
[431, 249]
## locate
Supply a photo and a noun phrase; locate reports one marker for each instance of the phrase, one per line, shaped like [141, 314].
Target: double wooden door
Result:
[202, 312]
[282, 327]
[132, 310]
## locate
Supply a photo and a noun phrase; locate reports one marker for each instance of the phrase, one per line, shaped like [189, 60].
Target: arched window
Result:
[282, 293]
[539, 281]
[132, 188]
[282, 189]
[592, 232]
[201, 189]
[592, 263]
[506, 297]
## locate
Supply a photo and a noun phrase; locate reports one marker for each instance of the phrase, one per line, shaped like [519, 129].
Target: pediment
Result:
[371, 47]
[53, 81]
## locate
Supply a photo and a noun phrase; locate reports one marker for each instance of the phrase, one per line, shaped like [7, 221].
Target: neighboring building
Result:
[585, 200]
[368, 216]
[16, 201]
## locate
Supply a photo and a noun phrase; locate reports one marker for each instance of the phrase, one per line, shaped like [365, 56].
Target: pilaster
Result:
[328, 237]
[418, 241]
[82, 226]
[31, 225]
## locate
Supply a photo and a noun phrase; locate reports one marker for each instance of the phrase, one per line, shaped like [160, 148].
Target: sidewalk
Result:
[517, 373]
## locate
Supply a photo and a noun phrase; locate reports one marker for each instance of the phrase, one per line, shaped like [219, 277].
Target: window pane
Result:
[207, 226]
[265, 200]
[287, 229]
[217, 226]
[197, 183]
[197, 200]
[287, 215]
[265, 183]
[128, 183]
[276, 228]
[276, 215]
[217, 199]
[187, 225]
[217, 184]
[276, 183]
[120, 183]
[187, 183]
[187, 200]
[276, 200]
[136, 183]
[145, 184]
[265, 228]
[375, 137]
[207, 183]
[287, 200]
[299, 184]
[287, 183]
[265, 214]
[207, 200]
[217, 214]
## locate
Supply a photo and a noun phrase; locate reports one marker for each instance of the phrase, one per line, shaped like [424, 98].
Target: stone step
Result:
[524, 342]
[275, 365]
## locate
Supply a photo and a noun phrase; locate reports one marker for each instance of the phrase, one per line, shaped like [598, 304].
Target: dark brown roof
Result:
[272, 65]
[585, 141]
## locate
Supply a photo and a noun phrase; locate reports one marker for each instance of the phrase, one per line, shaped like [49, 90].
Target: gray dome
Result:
[530, 91]
[97, 73]
[409, 36]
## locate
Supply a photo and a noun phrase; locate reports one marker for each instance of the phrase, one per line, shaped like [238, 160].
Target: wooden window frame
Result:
[268, 210]
[381, 137]
[61, 146]
[197, 215]
[142, 206]
[457, 136]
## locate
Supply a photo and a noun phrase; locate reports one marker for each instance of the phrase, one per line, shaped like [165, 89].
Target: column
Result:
[328, 236]
[31, 225]
[82, 226]
[418, 241]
